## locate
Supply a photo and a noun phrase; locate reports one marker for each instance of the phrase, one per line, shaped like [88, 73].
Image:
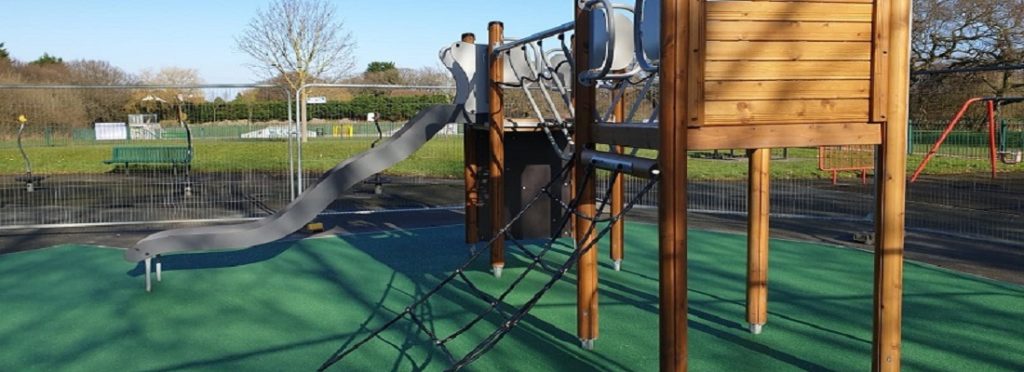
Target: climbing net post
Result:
[584, 97]
[673, 116]
[496, 33]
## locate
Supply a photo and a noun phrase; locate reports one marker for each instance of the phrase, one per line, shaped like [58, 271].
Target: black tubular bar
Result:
[631, 165]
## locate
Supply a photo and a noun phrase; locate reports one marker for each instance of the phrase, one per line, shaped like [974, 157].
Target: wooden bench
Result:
[173, 155]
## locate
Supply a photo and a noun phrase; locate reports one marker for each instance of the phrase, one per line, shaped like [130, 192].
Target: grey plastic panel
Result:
[310, 203]
[468, 65]
[624, 53]
[650, 28]
[520, 64]
[563, 70]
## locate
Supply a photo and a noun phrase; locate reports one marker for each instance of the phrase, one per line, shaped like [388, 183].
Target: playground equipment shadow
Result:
[290, 305]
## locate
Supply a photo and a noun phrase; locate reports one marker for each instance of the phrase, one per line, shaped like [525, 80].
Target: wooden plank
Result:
[788, 51]
[786, 90]
[695, 64]
[789, 11]
[777, 136]
[798, 111]
[745, 136]
[787, 31]
[880, 66]
[787, 70]
[891, 177]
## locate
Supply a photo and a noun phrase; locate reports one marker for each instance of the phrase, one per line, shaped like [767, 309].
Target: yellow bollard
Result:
[350, 130]
[315, 227]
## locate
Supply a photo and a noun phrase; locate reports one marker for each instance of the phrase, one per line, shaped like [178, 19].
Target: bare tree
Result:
[101, 104]
[429, 75]
[965, 34]
[300, 40]
[970, 33]
[174, 76]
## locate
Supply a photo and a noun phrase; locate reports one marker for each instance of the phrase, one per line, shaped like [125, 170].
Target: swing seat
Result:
[1011, 157]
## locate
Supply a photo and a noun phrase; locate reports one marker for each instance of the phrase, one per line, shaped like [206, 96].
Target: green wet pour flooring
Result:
[289, 306]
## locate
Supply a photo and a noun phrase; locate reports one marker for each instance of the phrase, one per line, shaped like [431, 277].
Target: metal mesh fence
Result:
[103, 155]
[354, 119]
[962, 200]
[967, 141]
[240, 162]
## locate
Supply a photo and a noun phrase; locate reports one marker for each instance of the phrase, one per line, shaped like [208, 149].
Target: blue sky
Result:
[140, 34]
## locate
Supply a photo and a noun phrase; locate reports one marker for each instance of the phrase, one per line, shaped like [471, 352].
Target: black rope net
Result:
[496, 304]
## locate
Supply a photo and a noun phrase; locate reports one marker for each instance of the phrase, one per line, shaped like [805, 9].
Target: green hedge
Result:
[391, 108]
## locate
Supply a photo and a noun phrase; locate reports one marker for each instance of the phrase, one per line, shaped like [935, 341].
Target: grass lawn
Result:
[441, 157]
[290, 305]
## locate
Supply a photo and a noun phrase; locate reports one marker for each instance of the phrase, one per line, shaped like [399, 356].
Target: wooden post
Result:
[891, 197]
[618, 194]
[673, 117]
[471, 172]
[758, 203]
[496, 32]
[585, 100]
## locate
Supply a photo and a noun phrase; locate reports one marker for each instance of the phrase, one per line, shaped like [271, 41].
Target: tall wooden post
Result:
[585, 100]
[758, 202]
[496, 31]
[618, 194]
[673, 117]
[891, 196]
[471, 172]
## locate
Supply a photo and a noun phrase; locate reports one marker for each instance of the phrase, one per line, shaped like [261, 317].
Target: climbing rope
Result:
[553, 191]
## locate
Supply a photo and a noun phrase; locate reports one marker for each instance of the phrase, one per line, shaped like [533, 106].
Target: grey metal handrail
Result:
[561, 29]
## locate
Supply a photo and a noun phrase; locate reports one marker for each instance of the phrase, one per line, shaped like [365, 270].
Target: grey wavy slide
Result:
[310, 203]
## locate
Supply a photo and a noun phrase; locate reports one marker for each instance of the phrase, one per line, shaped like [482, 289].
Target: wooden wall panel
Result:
[787, 31]
[695, 63]
[776, 136]
[787, 70]
[788, 51]
[788, 111]
[788, 62]
[746, 136]
[789, 11]
[880, 57]
[791, 89]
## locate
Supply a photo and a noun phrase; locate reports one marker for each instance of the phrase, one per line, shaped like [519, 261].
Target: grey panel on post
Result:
[468, 65]
[624, 53]
[310, 203]
[520, 64]
[650, 28]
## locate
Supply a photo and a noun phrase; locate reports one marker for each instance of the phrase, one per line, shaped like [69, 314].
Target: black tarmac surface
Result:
[410, 205]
